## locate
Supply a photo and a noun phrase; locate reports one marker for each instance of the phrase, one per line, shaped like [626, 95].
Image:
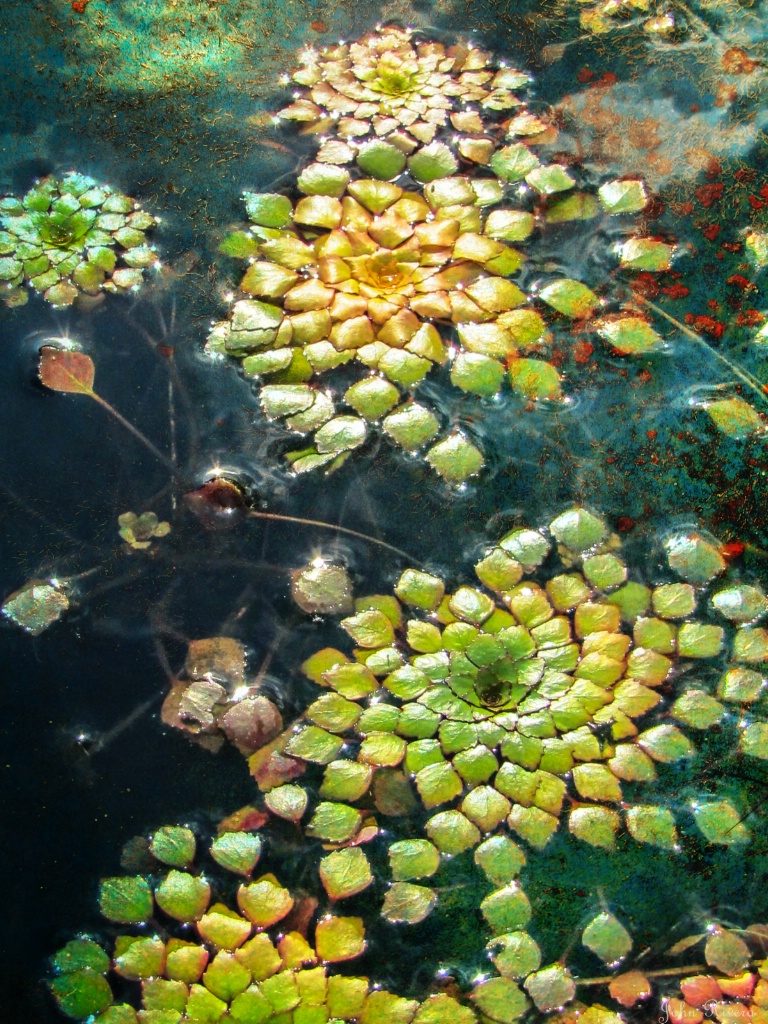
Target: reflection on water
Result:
[158, 544]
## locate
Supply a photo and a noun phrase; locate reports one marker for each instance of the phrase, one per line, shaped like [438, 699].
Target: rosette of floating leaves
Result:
[501, 701]
[390, 86]
[70, 236]
[360, 270]
[182, 954]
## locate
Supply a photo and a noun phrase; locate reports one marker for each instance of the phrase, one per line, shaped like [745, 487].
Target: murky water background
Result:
[170, 103]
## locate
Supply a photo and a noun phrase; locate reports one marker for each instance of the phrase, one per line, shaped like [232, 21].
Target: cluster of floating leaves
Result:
[495, 706]
[658, 20]
[69, 237]
[394, 259]
[190, 956]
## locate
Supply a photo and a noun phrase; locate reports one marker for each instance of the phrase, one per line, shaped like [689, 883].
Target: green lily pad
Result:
[696, 640]
[571, 298]
[314, 744]
[509, 225]
[535, 378]
[734, 417]
[741, 603]
[139, 957]
[183, 896]
[223, 927]
[372, 397]
[452, 833]
[653, 825]
[82, 993]
[345, 873]
[269, 210]
[623, 196]
[226, 977]
[754, 740]
[333, 712]
[339, 938]
[345, 780]
[500, 859]
[126, 900]
[551, 988]
[443, 1009]
[741, 685]
[369, 629]
[608, 939]
[420, 589]
[750, 644]
[323, 180]
[413, 858]
[720, 822]
[665, 743]
[334, 823]
[405, 903]
[237, 852]
[81, 954]
[342, 433]
[174, 846]
[515, 955]
[694, 558]
[381, 160]
[595, 825]
[512, 163]
[455, 459]
[477, 374]
[697, 709]
[486, 807]
[507, 909]
[264, 902]
[646, 254]
[630, 335]
[432, 162]
[322, 589]
[578, 206]
[289, 802]
[550, 179]
[674, 600]
[578, 530]
[500, 1000]
[411, 426]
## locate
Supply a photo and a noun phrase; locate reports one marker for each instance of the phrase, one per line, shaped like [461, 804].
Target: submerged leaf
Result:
[37, 605]
[734, 417]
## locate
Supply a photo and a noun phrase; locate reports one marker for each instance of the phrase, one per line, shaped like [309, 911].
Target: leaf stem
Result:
[746, 378]
[134, 430]
[277, 517]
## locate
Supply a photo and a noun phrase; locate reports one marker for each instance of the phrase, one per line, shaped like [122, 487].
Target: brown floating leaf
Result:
[66, 370]
[251, 724]
[218, 657]
[629, 988]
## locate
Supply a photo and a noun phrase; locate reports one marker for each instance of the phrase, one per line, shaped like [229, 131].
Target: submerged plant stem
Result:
[277, 517]
[746, 378]
[134, 430]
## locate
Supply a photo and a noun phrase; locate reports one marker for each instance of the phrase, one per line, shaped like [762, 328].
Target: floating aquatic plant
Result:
[138, 531]
[186, 955]
[498, 705]
[69, 237]
[391, 86]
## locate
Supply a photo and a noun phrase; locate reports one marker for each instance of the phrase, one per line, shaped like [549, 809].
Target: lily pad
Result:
[578, 529]
[551, 987]
[623, 196]
[339, 938]
[654, 825]
[80, 994]
[432, 162]
[237, 852]
[534, 378]
[456, 459]
[345, 873]
[720, 822]
[726, 952]
[595, 825]
[334, 823]
[608, 939]
[571, 298]
[126, 900]
[512, 163]
[413, 858]
[322, 589]
[411, 426]
[174, 846]
[381, 160]
[405, 903]
[183, 896]
[515, 955]
[500, 1000]
[734, 417]
[507, 909]
[264, 902]
[630, 335]
[694, 558]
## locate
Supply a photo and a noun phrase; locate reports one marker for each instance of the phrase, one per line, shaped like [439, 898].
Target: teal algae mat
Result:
[383, 501]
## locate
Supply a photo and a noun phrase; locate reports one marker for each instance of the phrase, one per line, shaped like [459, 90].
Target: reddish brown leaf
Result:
[628, 988]
[66, 370]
